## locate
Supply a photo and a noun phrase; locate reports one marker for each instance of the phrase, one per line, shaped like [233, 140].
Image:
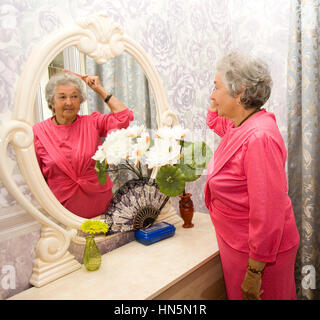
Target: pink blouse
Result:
[65, 153]
[247, 191]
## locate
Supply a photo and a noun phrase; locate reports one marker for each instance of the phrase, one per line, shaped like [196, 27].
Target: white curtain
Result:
[124, 78]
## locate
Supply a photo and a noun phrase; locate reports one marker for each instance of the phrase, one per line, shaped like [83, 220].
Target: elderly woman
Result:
[66, 142]
[246, 189]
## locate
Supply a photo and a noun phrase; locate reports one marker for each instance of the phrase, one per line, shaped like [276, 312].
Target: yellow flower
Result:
[94, 226]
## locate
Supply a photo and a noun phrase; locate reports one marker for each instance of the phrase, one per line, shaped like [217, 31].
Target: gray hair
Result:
[63, 78]
[238, 71]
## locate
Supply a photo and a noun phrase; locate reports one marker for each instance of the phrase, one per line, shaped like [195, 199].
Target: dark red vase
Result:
[186, 209]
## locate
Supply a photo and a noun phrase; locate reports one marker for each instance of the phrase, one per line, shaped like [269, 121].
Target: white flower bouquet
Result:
[177, 161]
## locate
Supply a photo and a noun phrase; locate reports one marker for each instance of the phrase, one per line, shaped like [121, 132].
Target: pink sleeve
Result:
[218, 124]
[268, 200]
[39, 151]
[110, 121]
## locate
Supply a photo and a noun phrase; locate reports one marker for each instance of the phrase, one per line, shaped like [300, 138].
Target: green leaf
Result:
[184, 143]
[197, 155]
[101, 169]
[171, 181]
[189, 173]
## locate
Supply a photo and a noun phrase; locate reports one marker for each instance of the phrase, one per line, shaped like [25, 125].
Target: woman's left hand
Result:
[251, 286]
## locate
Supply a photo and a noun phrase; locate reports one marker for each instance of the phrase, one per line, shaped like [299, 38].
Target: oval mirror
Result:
[101, 39]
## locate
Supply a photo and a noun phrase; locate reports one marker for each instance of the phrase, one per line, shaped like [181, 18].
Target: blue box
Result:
[155, 233]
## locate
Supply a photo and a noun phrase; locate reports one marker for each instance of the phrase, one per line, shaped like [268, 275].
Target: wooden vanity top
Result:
[135, 271]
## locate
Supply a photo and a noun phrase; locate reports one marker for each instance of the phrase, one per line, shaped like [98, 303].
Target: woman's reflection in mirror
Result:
[65, 143]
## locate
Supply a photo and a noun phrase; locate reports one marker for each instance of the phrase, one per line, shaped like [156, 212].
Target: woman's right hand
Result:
[251, 286]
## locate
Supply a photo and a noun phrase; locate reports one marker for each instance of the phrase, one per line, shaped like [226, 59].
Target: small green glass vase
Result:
[91, 255]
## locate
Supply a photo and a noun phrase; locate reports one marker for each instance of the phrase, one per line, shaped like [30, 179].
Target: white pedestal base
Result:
[45, 272]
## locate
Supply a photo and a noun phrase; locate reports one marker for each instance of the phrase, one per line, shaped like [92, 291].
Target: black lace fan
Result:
[135, 205]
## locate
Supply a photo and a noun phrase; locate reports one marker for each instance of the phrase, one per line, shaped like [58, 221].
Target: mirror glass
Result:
[122, 76]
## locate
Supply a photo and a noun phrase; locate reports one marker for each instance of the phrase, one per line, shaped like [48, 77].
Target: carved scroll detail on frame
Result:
[52, 255]
[169, 119]
[106, 41]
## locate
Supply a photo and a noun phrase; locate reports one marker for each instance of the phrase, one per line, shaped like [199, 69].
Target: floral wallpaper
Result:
[183, 38]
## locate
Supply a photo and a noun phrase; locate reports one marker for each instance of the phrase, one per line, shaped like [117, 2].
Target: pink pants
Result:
[277, 280]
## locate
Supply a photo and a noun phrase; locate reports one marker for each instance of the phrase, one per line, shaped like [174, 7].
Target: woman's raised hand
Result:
[93, 82]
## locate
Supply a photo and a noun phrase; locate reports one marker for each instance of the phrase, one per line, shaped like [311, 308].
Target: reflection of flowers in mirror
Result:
[130, 143]
[179, 161]
[134, 142]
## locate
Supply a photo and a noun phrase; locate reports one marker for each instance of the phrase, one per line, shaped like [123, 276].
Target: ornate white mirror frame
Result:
[100, 38]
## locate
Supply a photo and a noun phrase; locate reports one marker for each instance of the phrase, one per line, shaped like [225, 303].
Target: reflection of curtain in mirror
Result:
[124, 78]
